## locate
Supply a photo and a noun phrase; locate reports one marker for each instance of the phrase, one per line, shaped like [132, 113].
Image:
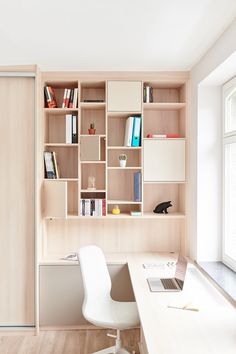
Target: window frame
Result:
[227, 138]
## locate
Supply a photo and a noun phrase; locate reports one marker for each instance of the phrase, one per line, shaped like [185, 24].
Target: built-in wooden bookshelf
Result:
[167, 114]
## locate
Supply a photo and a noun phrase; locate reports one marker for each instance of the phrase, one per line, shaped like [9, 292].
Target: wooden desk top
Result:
[211, 330]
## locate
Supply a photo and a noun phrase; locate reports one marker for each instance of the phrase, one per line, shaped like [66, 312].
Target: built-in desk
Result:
[211, 330]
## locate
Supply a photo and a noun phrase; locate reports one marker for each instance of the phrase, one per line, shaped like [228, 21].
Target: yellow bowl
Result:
[116, 211]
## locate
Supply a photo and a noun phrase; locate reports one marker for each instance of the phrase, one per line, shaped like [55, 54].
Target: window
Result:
[229, 174]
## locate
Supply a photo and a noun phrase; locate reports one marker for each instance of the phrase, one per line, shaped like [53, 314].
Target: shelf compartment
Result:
[133, 158]
[154, 194]
[60, 199]
[94, 169]
[55, 127]
[121, 185]
[92, 148]
[164, 122]
[125, 209]
[93, 115]
[98, 194]
[116, 128]
[167, 92]
[59, 88]
[67, 160]
[93, 90]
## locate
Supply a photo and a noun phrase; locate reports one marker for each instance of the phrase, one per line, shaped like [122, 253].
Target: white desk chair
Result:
[98, 306]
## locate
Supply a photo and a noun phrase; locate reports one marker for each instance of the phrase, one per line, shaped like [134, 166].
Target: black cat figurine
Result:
[162, 207]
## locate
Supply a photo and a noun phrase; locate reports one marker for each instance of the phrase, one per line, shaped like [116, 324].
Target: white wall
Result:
[209, 174]
[214, 62]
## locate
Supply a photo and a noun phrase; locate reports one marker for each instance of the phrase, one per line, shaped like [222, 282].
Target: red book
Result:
[64, 99]
[104, 207]
[172, 135]
[53, 102]
[67, 98]
[71, 99]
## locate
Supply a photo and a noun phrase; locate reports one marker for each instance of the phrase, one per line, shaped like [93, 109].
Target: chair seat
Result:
[112, 314]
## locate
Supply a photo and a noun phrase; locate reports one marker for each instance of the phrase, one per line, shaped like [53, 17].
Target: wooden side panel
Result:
[17, 201]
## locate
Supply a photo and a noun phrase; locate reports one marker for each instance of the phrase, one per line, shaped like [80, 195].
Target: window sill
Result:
[223, 276]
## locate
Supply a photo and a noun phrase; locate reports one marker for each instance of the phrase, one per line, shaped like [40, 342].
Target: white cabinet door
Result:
[164, 160]
[55, 199]
[124, 96]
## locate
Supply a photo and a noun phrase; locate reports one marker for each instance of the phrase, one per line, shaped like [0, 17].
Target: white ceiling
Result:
[111, 34]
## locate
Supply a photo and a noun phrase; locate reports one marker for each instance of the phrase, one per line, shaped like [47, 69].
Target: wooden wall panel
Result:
[17, 201]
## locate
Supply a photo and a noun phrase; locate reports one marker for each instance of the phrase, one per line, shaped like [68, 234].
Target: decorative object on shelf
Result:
[122, 160]
[92, 129]
[116, 210]
[162, 207]
[91, 183]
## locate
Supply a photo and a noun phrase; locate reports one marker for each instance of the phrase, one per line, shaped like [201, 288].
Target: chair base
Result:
[112, 350]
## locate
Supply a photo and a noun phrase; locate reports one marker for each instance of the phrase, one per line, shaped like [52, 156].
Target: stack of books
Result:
[50, 97]
[147, 94]
[70, 98]
[92, 207]
[51, 166]
[133, 131]
[137, 186]
[71, 129]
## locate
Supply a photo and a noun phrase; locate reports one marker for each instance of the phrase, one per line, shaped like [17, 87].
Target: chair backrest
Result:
[96, 279]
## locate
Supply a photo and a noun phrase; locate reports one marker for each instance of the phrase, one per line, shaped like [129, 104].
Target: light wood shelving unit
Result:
[168, 113]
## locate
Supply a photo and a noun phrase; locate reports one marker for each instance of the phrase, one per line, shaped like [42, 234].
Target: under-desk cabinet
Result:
[61, 293]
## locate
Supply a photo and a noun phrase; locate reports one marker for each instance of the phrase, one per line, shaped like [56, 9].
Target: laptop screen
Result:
[180, 272]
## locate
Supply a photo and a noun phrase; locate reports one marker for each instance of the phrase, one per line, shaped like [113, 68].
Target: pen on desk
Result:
[184, 307]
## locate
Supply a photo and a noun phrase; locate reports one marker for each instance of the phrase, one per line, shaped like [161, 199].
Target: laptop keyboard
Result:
[169, 284]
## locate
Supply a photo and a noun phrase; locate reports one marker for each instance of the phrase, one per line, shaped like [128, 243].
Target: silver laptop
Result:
[170, 284]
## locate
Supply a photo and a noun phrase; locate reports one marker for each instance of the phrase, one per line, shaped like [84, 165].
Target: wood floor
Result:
[66, 342]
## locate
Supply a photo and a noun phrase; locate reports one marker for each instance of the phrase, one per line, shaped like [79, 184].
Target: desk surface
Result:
[211, 330]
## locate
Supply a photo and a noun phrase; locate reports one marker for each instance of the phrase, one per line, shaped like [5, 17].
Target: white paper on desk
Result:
[183, 305]
[161, 266]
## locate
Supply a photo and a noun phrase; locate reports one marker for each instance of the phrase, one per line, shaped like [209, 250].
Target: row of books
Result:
[70, 98]
[147, 94]
[71, 129]
[92, 207]
[137, 186]
[133, 129]
[51, 166]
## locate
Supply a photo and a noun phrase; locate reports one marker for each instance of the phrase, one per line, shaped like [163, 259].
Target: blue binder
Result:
[137, 187]
[136, 136]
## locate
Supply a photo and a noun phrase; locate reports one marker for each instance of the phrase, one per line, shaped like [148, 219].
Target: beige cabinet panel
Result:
[164, 160]
[55, 199]
[61, 293]
[90, 148]
[124, 96]
[17, 201]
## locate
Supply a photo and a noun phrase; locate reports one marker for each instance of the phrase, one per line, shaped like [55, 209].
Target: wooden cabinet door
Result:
[17, 201]
[164, 160]
[124, 96]
[55, 199]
